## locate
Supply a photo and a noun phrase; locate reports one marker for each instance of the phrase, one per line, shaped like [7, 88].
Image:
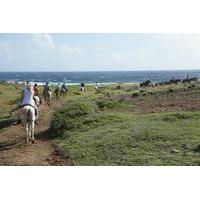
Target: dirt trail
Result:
[14, 150]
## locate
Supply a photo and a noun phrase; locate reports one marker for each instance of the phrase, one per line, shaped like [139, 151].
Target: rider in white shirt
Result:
[28, 94]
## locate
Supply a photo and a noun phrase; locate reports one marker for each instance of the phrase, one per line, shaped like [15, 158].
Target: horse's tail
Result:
[29, 115]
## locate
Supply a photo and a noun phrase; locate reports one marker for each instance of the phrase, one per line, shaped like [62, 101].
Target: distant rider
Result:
[46, 88]
[97, 85]
[36, 90]
[58, 87]
[82, 87]
[37, 93]
[64, 88]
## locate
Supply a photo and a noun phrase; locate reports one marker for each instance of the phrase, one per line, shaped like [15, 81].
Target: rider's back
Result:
[28, 97]
[46, 88]
[36, 91]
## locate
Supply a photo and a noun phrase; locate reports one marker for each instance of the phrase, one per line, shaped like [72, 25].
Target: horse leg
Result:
[32, 125]
[27, 132]
[48, 102]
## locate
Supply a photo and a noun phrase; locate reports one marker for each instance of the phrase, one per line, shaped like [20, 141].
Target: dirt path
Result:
[14, 150]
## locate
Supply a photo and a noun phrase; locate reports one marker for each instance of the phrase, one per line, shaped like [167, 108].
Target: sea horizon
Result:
[82, 71]
[91, 77]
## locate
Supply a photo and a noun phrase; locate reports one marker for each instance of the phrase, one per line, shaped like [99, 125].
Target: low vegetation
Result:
[124, 125]
[9, 96]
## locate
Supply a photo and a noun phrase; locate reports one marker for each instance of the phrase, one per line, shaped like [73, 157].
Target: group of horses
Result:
[148, 83]
[28, 117]
[60, 91]
[27, 114]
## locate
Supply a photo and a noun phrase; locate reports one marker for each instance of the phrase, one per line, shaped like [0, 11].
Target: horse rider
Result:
[58, 87]
[36, 90]
[64, 88]
[82, 87]
[46, 88]
[37, 93]
[97, 86]
[27, 98]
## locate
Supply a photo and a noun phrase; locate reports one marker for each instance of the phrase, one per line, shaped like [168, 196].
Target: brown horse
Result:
[47, 97]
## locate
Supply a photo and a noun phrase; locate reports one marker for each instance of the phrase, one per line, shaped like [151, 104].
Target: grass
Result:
[102, 127]
[9, 97]
[110, 139]
[114, 136]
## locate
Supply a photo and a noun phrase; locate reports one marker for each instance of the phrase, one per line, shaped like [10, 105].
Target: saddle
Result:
[36, 112]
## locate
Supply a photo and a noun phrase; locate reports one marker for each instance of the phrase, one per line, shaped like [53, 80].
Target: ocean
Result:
[101, 77]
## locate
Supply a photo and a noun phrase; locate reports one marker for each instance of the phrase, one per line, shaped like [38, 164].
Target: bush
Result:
[107, 104]
[118, 87]
[70, 117]
[171, 90]
[135, 95]
[191, 86]
[180, 116]
[142, 90]
[107, 94]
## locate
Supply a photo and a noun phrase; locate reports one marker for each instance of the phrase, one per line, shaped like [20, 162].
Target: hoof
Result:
[32, 141]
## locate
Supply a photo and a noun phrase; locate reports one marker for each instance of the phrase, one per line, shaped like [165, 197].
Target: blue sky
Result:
[101, 52]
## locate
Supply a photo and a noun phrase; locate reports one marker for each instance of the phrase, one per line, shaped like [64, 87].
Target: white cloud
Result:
[161, 51]
[45, 41]
[66, 49]
[150, 51]
[42, 40]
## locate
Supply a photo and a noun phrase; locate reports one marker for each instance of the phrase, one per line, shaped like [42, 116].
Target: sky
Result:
[98, 52]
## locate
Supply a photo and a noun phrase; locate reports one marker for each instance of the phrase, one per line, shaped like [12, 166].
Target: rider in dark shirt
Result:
[82, 85]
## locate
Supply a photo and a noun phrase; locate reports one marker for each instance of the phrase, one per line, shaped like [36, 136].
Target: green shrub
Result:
[171, 90]
[71, 117]
[118, 87]
[180, 116]
[104, 104]
[142, 90]
[77, 93]
[191, 86]
[135, 94]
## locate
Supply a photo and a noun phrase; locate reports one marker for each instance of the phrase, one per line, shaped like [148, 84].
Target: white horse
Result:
[37, 101]
[28, 117]
[82, 89]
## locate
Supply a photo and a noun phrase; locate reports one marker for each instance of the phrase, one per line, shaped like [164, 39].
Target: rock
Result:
[175, 151]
